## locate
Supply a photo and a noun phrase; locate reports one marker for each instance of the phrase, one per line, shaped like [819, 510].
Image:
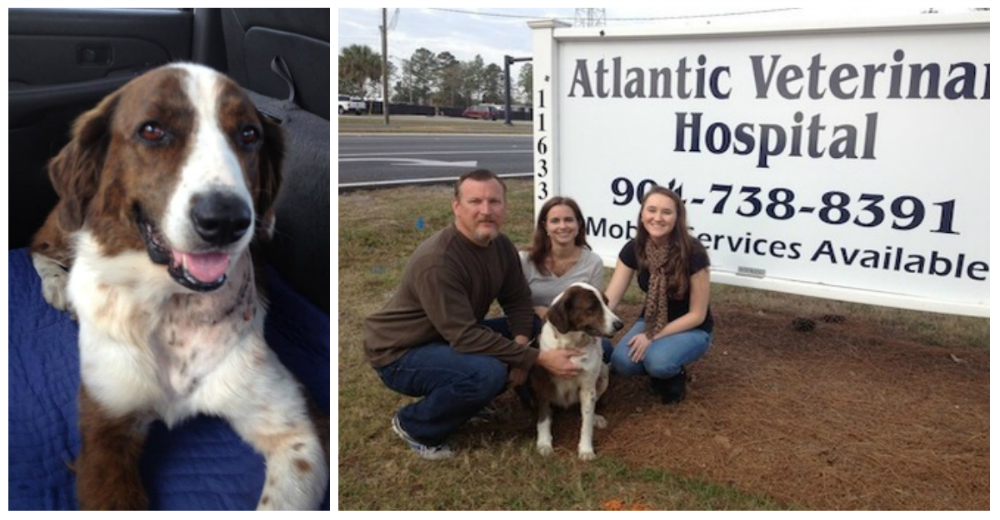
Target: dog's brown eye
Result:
[249, 135]
[152, 132]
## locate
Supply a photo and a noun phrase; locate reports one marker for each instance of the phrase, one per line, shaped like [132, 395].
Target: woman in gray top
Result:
[559, 257]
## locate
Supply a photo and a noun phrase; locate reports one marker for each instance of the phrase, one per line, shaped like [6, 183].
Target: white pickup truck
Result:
[347, 104]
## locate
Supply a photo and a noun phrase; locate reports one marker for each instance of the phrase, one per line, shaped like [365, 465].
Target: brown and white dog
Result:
[577, 318]
[161, 190]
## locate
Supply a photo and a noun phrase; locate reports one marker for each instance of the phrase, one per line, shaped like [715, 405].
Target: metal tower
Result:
[588, 17]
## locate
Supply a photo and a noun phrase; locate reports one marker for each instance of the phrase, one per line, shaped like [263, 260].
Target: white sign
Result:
[836, 161]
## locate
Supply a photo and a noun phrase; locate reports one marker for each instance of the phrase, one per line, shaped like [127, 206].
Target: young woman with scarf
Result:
[674, 328]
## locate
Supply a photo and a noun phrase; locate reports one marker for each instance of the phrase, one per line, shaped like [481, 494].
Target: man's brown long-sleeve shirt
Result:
[447, 288]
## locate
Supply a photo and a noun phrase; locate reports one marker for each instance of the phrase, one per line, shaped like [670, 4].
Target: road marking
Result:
[388, 154]
[416, 162]
[383, 184]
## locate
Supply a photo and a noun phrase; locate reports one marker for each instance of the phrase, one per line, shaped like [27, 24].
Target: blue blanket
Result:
[200, 464]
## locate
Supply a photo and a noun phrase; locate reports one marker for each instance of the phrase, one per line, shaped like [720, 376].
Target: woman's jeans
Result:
[665, 357]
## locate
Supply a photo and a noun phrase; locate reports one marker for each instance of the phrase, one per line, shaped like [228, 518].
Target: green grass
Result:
[501, 470]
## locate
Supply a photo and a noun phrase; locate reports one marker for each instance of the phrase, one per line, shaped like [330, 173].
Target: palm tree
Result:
[356, 65]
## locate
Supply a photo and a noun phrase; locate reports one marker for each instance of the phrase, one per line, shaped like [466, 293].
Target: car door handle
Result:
[94, 55]
[25, 102]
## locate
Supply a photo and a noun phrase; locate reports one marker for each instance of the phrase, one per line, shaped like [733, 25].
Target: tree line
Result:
[430, 79]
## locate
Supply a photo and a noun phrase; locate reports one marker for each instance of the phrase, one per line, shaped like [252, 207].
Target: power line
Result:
[481, 13]
[682, 17]
[641, 19]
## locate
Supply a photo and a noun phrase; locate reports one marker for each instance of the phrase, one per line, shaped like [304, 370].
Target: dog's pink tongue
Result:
[207, 267]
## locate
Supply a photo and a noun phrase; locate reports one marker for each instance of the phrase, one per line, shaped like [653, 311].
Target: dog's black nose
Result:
[618, 325]
[221, 218]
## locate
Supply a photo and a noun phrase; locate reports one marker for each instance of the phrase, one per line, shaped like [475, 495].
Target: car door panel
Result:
[61, 63]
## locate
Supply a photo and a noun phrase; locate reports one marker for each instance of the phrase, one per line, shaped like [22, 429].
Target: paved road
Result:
[381, 159]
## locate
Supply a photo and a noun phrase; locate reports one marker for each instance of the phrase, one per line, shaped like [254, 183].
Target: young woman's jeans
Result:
[665, 357]
[454, 387]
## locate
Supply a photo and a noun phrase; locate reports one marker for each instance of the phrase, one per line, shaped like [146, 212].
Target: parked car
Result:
[347, 104]
[481, 112]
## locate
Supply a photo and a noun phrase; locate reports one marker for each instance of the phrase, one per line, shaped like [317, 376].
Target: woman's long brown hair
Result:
[541, 245]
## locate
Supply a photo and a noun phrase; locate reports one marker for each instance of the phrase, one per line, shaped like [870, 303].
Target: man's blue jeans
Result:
[454, 387]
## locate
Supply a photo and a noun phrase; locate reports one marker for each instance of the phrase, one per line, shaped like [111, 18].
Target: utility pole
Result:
[507, 61]
[385, 66]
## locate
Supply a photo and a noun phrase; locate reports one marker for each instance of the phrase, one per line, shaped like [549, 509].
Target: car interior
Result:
[62, 62]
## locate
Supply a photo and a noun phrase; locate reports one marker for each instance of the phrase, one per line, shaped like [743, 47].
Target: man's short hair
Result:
[480, 175]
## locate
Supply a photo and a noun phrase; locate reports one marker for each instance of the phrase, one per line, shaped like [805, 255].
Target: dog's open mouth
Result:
[598, 333]
[196, 271]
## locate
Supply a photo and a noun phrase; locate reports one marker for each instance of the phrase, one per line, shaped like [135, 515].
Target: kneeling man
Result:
[430, 341]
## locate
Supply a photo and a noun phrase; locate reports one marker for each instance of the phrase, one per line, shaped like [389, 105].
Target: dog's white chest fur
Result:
[567, 391]
[165, 351]
[198, 330]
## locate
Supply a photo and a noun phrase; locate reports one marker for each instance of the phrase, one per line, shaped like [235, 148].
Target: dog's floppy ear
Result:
[75, 172]
[558, 313]
[269, 174]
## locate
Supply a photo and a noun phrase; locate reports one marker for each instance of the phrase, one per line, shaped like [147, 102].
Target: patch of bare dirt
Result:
[820, 414]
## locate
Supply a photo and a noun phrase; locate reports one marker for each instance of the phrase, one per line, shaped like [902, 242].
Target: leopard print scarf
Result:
[656, 297]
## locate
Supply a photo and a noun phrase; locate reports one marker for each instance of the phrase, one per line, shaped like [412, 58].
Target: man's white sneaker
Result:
[427, 452]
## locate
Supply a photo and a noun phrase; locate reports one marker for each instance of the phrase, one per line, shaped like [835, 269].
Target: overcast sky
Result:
[493, 33]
